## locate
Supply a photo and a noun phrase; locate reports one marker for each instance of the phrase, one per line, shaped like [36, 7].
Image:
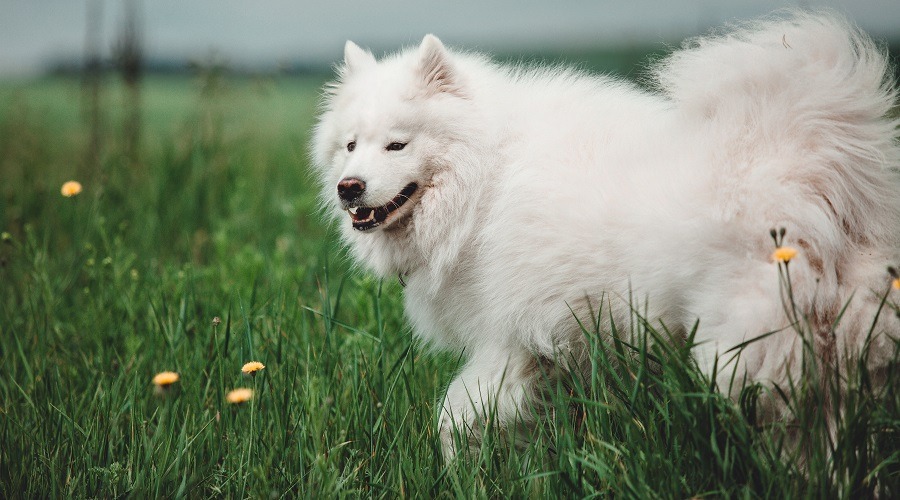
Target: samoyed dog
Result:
[513, 199]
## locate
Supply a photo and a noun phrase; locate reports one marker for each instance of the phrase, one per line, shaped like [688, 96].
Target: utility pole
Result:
[91, 85]
[129, 55]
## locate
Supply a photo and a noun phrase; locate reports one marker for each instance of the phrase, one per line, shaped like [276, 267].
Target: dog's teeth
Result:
[353, 210]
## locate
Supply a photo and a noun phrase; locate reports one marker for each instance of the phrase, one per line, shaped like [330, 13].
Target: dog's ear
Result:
[355, 57]
[436, 69]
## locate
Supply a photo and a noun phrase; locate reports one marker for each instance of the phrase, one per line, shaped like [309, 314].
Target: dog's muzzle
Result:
[365, 218]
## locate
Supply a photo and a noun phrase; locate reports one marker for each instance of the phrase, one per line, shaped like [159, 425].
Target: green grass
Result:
[217, 218]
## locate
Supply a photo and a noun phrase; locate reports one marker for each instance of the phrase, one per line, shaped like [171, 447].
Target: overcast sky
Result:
[266, 32]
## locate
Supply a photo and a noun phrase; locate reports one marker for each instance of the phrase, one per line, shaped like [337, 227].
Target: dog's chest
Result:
[439, 316]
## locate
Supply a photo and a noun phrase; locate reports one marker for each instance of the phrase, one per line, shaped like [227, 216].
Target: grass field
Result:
[216, 218]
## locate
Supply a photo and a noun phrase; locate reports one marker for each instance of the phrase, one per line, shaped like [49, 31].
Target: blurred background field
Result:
[231, 150]
[197, 204]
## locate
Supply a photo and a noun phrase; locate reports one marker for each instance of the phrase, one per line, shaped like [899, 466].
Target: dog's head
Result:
[383, 133]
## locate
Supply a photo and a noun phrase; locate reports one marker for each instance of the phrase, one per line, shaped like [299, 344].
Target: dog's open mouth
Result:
[365, 218]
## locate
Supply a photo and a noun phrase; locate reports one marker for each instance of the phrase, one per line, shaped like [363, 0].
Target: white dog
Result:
[508, 198]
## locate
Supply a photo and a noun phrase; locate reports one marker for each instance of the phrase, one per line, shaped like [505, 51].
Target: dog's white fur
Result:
[544, 191]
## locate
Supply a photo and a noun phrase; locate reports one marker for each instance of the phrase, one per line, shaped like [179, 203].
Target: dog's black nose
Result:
[350, 188]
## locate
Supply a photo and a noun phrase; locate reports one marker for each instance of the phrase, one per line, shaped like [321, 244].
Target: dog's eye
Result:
[395, 146]
[351, 146]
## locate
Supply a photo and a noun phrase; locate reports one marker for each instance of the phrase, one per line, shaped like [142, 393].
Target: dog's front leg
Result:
[495, 386]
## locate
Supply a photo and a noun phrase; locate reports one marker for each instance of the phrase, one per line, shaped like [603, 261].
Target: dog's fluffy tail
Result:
[807, 100]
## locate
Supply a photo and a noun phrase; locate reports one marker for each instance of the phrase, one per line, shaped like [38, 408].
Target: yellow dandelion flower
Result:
[252, 367]
[163, 379]
[896, 283]
[71, 189]
[239, 396]
[784, 254]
